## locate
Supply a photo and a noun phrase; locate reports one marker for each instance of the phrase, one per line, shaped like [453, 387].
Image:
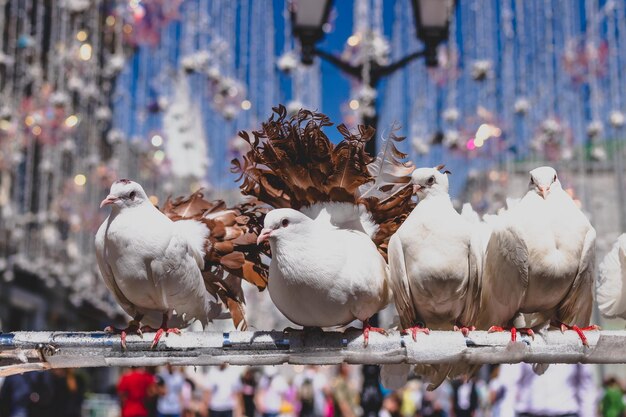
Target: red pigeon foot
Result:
[132, 328]
[514, 331]
[160, 332]
[464, 329]
[366, 332]
[579, 331]
[415, 329]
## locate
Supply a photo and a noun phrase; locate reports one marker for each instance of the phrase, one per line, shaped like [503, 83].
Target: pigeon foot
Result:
[579, 330]
[514, 331]
[415, 330]
[163, 329]
[464, 329]
[367, 328]
[160, 332]
[132, 328]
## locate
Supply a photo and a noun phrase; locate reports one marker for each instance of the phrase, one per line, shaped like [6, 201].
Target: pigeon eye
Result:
[532, 180]
[284, 222]
[132, 195]
[554, 179]
[431, 180]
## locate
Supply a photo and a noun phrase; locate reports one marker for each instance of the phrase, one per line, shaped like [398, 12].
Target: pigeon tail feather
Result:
[293, 164]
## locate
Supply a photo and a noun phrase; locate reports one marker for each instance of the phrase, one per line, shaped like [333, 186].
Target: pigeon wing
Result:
[505, 277]
[177, 275]
[576, 307]
[474, 284]
[610, 287]
[400, 284]
[107, 273]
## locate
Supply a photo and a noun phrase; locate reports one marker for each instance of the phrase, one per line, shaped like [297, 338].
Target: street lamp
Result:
[431, 20]
[309, 17]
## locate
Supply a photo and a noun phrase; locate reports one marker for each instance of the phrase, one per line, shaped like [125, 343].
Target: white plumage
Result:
[435, 261]
[611, 284]
[325, 271]
[540, 261]
[151, 264]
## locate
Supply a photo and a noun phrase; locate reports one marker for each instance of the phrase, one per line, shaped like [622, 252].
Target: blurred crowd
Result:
[314, 391]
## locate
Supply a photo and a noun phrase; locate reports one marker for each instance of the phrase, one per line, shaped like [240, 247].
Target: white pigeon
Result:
[435, 263]
[322, 275]
[539, 265]
[611, 283]
[151, 264]
[335, 208]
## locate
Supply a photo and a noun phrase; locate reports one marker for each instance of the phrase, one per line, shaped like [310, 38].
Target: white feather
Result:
[153, 265]
[539, 260]
[435, 261]
[322, 275]
[611, 284]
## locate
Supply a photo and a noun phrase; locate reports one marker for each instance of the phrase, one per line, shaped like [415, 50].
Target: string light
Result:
[84, 52]
[71, 121]
[159, 156]
[354, 104]
[81, 36]
[354, 40]
[156, 141]
[154, 199]
[246, 105]
[80, 180]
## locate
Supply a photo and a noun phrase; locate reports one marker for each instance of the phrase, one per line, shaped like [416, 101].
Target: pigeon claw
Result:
[514, 331]
[464, 329]
[415, 330]
[160, 332]
[580, 331]
[367, 328]
[132, 328]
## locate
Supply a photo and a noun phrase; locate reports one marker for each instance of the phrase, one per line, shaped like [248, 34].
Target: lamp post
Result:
[431, 20]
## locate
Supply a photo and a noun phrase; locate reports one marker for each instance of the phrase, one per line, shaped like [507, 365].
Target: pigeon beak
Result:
[109, 200]
[416, 188]
[265, 234]
[544, 192]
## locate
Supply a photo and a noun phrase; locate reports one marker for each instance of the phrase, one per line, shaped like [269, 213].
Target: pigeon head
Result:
[542, 180]
[429, 181]
[283, 222]
[124, 194]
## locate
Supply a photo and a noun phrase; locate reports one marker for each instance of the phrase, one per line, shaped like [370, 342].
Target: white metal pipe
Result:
[27, 351]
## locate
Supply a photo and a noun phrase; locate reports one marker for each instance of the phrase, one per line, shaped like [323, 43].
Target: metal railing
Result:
[27, 351]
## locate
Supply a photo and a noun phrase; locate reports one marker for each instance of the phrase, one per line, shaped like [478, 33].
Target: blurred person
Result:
[497, 391]
[431, 405]
[411, 398]
[248, 391]
[26, 395]
[271, 393]
[344, 396]
[223, 392]
[464, 397]
[135, 387]
[189, 405]
[69, 393]
[371, 391]
[169, 389]
[311, 384]
[564, 390]
[391, 406]
[612, 404]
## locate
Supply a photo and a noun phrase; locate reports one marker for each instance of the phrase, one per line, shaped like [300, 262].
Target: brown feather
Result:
[230, 247]
[292, 163]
